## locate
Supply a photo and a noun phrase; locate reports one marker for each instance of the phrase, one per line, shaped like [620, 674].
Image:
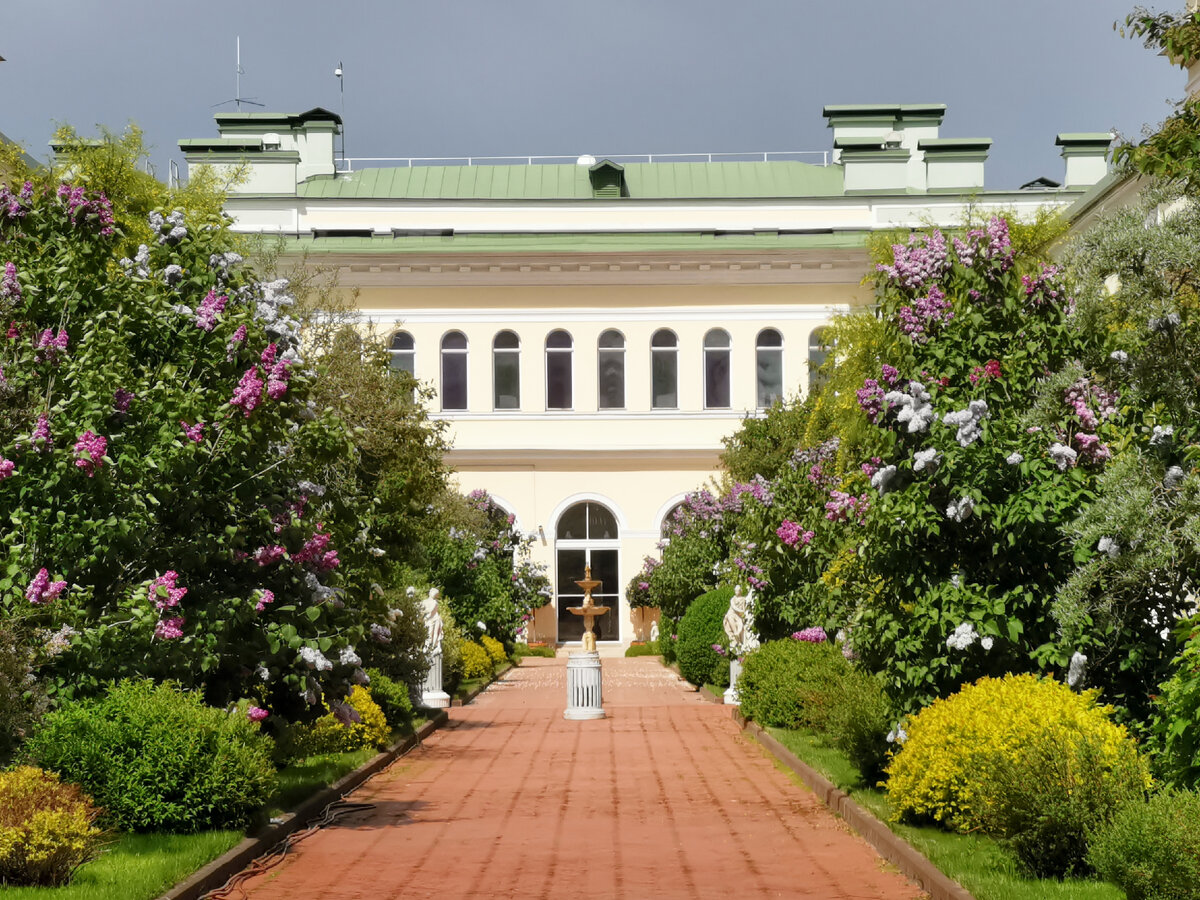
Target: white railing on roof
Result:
[354, 163]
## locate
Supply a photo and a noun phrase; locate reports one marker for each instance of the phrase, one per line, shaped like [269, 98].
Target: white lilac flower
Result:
[967, 422]
[926, 460]
[1014, 459]
[1112, 283]
[914, 407]
[1173, 478]
[1163, 436]
[883, 479]
[1062, 455]
[481, 626]
[1077, 670]
[986, 643]
[60, 641]
[263, 673]
[1110, 546]
[963, 637]
[308, 487]
[956, 580]
[1119, 356]
[897, 735]
[349, 657]
[377, 551]
[315, 659]
[961, 509]
[173, 274]
[410, 591]
[183, 309]
[1167, 323]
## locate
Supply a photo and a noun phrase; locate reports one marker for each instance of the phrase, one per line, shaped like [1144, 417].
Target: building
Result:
[594, 327]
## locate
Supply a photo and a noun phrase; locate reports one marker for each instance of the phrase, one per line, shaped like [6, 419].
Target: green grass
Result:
[647, 649]
[520, 651]
[136, 866]
[975, 861]
[304, 777]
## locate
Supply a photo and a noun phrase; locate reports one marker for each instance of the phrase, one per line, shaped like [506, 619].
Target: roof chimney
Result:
[1086, 155]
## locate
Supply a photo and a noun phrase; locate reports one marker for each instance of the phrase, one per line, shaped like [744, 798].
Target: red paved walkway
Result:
[664, 798]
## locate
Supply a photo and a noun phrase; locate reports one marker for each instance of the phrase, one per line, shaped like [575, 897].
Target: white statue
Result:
[654, 630]
[735, 620]
[433, 622]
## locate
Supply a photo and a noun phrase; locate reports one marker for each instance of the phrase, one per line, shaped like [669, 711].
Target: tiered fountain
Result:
[584, 682]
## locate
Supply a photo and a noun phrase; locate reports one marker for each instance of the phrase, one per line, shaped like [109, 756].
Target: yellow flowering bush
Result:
[328, 735]
[476, 661]
[958, 746]
[494, 648]
[46, 829]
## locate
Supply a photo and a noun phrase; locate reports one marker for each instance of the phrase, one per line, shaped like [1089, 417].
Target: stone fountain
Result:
[584, 682]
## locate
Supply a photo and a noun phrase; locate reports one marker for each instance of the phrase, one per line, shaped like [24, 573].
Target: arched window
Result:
[403, 352]
[587, 535]
[716, 369]
[818, 352]
[506, 371]
[670, 521]
[664, 370]
[612, 370]
[558, 370]
[454, 370]
[769, 357]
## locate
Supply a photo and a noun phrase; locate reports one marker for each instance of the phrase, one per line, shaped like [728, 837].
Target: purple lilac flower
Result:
[277, 379]
[313, 548]
[792, 535]
[210, 307]
[718, 649]
[842, 506]
[164, 590]
[265, 600]
[121, 400]
[80, 209]
[870, 400]
[50, 345]
[235, 341]
[7, 467]
[814, 635]
[89, 452]
[194, 433]
[265, 556]
[41, 438]
[922, 260]
[249, 392]
[42, 590]
[10, 288]
[169, 629]
[917, 320]
[890, 374]
[256, 714]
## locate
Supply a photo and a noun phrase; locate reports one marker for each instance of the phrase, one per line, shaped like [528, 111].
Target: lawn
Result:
[975, 861]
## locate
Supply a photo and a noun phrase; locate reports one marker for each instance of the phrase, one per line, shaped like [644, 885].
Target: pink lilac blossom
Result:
[248, 393]
[89, 452]
[265, 556]
[1091, 449]
[41, 438]
[49, 345]
[80, 209]
[1044, 288]
[870, 400]
[990, 369]
[313, 548]
[15, 206]
[792, 535]
[7, 467]
[235, 341]
[42, 590]
[194, 433]
[814, 635]
[14, 330]
[169, 629]
[268, 355]
[265, 600]
[890, 374]
[917, 320]
[843, 506]
[277, 379]
[210, 307]
[256, 714]
[922, 260]
[165, 592]
[870, 467]
[10, 288]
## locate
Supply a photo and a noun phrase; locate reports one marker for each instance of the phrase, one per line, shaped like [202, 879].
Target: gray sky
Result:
[507, 77]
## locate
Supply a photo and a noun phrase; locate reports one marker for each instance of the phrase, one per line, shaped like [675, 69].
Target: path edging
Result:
[476, 691]
[216, 873]
[914, 864]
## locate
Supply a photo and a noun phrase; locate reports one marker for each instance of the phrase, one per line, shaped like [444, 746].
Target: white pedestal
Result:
[735, 671]
[432, 696]
[584, 687]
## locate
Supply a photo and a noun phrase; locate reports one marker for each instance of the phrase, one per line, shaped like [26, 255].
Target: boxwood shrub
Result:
[156, 758]
[792, 684]
[699, 629]
[1150, 849]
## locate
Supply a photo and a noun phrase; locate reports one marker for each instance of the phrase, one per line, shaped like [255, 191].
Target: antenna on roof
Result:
[339, 73]
[237, 98]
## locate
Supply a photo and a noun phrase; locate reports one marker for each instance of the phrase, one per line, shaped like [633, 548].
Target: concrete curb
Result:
[907, 858]
[224, 867]
[476, 691]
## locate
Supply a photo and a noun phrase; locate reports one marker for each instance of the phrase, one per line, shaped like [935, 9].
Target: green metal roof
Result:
[566, 243]
[653, 181]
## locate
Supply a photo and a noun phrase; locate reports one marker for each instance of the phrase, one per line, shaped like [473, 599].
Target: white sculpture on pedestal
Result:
[739, 628]
[654, 631]
[433, 696]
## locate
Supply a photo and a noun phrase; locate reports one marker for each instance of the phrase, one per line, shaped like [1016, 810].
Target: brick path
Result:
[664, 798]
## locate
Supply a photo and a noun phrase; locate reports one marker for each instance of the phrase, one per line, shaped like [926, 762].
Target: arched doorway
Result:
[587, 535]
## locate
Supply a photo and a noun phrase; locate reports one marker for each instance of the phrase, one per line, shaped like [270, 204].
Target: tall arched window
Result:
[587, 535]
[454, 370]
[664, 370]
[716, 369]
[558, 370]
[818, 352]
[612, 370]
[403, 352]
[506, 371]
[769, 358]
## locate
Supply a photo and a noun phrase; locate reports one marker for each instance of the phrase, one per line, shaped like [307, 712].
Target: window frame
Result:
[464, 352]
[673, 350]
[759, 349]
[569, 352]
[601, 351]
[506, 351]
[728, 350]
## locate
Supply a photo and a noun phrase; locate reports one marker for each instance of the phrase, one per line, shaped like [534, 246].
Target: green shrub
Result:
[328, 735]
[520, 651]
[650, 648]
[155, 758]
[859, 721]
[46, 829]
[392, 697]
[793, 684]
[699, 629]
[1176, 712]
[668, 639]
[1150, 850]
[495, 649]
[476, 661]
[452, 644]
[20, 702]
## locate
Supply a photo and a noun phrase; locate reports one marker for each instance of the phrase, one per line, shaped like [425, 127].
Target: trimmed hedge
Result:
[699, 629]
[648, 649]
[1150, 849]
